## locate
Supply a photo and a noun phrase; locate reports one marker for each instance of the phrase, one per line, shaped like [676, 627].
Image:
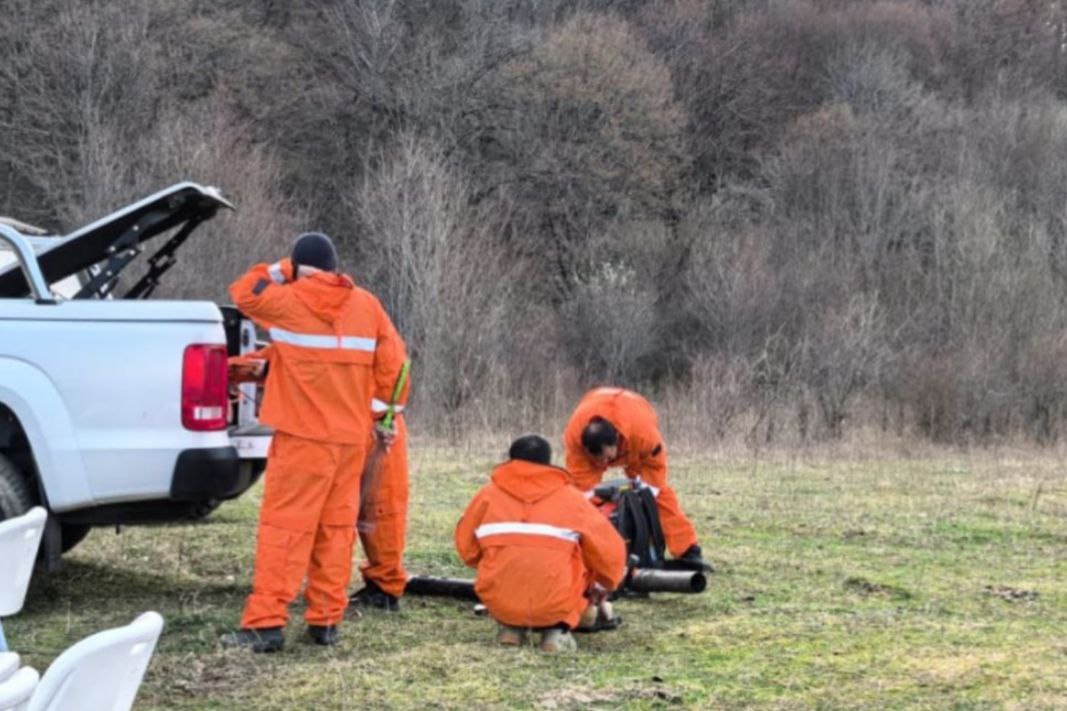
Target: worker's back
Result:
[330, 340]
[537, 544]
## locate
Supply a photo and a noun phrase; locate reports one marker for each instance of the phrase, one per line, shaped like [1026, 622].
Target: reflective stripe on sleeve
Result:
[378, 407]
[530, 529]
[310, 340]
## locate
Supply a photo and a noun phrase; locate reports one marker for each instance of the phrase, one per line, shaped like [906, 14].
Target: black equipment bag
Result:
[636, 518]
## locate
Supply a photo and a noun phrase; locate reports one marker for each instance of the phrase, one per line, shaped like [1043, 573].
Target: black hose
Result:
[672, 581]
[456, 588]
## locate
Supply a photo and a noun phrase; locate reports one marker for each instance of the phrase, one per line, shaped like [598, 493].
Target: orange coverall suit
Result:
[538, 545]
[641, 454]
[383, 541]
[334, 349]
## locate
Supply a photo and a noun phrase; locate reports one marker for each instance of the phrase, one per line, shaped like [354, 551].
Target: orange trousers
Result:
[383, 536]
[309, 503]
[678, 530]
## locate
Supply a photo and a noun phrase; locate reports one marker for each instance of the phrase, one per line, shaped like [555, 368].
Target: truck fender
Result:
[30, 394]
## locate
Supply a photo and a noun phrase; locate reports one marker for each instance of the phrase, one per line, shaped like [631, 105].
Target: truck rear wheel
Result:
[16, 496]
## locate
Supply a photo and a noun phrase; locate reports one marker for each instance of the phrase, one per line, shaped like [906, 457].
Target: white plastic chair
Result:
[19, 540]
[16, 692]
[9, 664]
[102, 671]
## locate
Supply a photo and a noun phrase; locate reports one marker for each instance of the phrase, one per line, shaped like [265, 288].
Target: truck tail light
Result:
[205, 401]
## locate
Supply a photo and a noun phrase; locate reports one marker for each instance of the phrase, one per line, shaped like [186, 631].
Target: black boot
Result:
[264, 639]
[326, 635]
[373, 596]
[693, 559]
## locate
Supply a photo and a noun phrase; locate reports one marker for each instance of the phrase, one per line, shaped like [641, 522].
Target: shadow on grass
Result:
[91, 585]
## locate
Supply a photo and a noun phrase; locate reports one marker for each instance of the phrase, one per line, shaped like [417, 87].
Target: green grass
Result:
[840, 584]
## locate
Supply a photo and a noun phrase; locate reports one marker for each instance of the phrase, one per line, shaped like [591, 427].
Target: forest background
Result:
[787, 222]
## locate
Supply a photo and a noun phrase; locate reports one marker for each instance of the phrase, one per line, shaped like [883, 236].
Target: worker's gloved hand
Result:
[596, 593]
[384, 436]
[244, 369]
[281, 272]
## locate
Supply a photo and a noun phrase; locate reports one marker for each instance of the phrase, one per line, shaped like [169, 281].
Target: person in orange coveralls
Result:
[333, 350]
[612, 427]
[383, 537]
[544, 554]
[384, 577]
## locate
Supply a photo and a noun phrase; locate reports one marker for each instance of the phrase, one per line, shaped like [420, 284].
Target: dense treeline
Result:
[786, 219]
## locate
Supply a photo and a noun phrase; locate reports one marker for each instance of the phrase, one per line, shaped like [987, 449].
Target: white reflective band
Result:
[531, 529]
[590, 494]
[275, 271]
[378, 407]
[308, 340]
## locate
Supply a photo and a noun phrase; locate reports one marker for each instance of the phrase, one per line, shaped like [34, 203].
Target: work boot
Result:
[589, 618]
[557, 641]
[326, 635]
[373, 596]
[510, 636]
[264, 639]
[694, 559]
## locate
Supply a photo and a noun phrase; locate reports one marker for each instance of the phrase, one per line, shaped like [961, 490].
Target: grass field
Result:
[908, 583]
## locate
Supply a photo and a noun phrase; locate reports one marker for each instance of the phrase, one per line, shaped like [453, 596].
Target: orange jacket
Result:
[537, 544]
[333, 350]
[641, 448]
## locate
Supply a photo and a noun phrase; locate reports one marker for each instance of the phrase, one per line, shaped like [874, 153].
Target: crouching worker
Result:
[544, 554]
[334, 349]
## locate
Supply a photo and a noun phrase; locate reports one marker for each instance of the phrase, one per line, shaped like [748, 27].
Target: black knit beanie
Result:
[314, 249]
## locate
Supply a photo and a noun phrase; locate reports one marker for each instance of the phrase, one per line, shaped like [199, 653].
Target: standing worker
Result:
[384, 528]
[613, 427]
[334, 349]
[546, 558]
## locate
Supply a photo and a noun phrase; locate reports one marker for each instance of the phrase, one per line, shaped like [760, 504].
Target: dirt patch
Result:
[1011, 594]
[865, 587]
[575, 698]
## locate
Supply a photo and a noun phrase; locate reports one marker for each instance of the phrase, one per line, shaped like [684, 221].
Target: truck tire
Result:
[16, 495]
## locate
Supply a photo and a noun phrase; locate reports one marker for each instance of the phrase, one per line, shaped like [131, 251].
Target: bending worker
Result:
[334, 349]
[545, 556]
[612, 427]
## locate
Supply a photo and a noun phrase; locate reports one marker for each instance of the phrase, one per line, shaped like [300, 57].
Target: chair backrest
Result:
[19, 540]
[9, 664]
[16, 692]
[101, 672]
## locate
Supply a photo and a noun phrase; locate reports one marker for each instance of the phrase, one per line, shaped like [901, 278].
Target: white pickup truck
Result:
[114, 409]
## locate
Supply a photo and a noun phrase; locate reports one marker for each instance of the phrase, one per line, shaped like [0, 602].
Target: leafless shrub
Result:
[843, 350]
[595, 131]
[433, 261]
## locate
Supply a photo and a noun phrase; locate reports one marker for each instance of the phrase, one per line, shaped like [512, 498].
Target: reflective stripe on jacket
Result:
[334, 350]
[537, 544]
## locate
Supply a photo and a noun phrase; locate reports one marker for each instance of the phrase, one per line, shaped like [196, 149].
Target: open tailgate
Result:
[113, 241]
